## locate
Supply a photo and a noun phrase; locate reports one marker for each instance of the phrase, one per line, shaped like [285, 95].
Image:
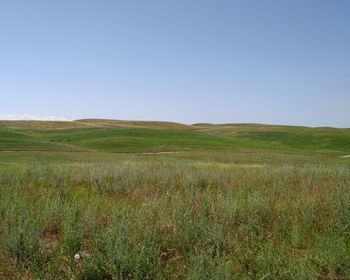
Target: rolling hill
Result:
[115, 136]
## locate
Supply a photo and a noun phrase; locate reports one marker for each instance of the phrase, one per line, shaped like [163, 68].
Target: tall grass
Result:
[175, 220]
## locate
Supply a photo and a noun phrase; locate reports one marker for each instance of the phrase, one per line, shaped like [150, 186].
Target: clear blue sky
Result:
[271, 61]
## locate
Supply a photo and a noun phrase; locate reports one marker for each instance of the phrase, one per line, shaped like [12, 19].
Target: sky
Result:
[188, 61]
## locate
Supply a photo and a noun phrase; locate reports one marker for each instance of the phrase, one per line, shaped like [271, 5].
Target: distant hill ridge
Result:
[157, 136]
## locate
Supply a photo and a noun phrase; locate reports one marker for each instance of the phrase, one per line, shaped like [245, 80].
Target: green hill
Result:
[114, 136]
[160, 200]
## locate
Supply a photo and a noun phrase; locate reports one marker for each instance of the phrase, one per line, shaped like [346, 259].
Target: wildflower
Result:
[81, 255]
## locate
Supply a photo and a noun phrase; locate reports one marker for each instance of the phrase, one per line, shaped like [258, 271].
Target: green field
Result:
[158, 200]
[101, 139]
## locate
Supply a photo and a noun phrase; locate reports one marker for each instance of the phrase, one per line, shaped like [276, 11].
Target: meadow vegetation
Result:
[233, 202]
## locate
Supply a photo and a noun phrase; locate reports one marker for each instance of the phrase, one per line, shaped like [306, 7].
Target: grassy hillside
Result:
[286, 137]
[123, 136]
[158, 200]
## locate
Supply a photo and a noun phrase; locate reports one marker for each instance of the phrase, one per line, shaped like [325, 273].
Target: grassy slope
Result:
[286, 137]
[195, 214]
[126, 136]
